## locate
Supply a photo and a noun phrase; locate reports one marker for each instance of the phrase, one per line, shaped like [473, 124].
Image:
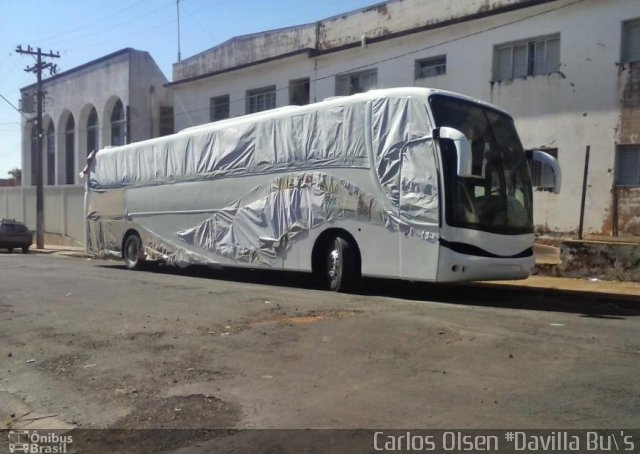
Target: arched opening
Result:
[118, 123]
[92, 131]
[51, 154]
[69, 150]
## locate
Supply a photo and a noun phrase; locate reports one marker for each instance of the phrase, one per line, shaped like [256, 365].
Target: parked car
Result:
[14, 234]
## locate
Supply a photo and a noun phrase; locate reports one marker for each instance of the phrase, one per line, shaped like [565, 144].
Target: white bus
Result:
[409, 183]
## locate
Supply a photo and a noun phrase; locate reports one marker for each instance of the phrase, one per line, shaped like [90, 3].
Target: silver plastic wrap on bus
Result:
[262, 226]
[333, 137]
[389, 136]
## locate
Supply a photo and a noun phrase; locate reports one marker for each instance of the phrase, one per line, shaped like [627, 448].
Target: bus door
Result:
[418, 208]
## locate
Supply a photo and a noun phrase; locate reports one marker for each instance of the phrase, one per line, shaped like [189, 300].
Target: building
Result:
[115, 99]
[567, 70]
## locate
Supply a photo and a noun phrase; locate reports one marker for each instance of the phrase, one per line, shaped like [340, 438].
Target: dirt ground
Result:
[87, 344]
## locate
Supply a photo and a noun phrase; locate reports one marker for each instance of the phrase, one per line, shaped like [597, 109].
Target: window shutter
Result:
[503, 64]
[631, 44]
[553, 55]
[520, 61]
[342, 85]
[539, 65]
[628, 171]
[367, 81]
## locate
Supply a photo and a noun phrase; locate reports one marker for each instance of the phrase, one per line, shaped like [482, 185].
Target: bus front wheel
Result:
[132, 252]
[341, 265]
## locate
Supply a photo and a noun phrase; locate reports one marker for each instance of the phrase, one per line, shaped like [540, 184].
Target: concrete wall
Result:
[246, 49]
[593, 259]
[63, 213]
[590, 101]
[398, 16]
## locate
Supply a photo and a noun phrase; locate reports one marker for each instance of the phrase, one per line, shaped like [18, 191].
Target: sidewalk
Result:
[587, 287]
[67, 251]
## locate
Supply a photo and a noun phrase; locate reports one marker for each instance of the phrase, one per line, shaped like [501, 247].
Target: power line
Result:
[90, 24]
[14, 108]
[111, 26]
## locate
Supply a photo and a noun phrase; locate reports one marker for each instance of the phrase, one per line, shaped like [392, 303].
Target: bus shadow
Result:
[469, 294]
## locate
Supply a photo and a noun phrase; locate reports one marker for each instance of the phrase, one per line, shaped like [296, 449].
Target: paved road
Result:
[197, 348]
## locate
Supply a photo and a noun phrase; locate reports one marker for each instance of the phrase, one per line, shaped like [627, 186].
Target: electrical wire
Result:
[14, 107]
[56, 42]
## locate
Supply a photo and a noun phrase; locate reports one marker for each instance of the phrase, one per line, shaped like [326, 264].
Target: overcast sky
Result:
[83, 30]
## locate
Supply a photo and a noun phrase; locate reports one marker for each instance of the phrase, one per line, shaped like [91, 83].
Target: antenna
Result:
[178, 9]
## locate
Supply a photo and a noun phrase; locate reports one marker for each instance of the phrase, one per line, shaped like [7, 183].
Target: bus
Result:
[410, 183]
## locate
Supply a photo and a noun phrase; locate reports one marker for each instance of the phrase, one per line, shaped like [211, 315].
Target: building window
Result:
[219, 108]
[51, 154]
[92, 131]
[34, 152]
[69, 154]
[299, 92]
[530, 57]
[350, 84]
[261, 99]
[166, 120]
[631, 41]
[541, 174]
[628, 166]
[431, 67]
[118, 124]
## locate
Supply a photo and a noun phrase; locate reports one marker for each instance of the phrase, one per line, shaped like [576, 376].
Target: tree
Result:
[16, 174]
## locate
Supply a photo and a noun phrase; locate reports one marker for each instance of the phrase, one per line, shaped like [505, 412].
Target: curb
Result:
[590, 294]
[61, 252]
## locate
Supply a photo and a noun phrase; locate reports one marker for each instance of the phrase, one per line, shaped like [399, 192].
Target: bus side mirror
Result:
[546, 158]
[463, 148]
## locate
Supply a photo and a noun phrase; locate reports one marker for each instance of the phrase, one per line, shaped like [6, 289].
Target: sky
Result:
[83, 30]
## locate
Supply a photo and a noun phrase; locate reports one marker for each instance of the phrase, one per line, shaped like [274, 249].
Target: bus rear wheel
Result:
[132, 252]
[341, 269]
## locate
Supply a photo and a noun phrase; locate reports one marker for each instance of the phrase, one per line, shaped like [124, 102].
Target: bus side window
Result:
[419, 182]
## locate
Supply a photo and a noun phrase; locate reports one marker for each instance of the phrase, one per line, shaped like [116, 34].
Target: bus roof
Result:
[285, 111]
[336, 101]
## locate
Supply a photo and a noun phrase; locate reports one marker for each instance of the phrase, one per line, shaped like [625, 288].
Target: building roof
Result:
[97, 61]
[379, 22]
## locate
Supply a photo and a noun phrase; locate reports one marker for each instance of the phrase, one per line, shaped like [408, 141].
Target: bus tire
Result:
[341, 271]
[131, 252]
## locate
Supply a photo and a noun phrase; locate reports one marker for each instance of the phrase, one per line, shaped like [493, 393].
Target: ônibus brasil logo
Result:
[33, 442]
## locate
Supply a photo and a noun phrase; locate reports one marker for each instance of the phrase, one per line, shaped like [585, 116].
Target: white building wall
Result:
[191, 101]
[569, 110]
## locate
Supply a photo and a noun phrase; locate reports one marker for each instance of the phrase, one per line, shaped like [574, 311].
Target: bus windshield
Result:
[498, 197]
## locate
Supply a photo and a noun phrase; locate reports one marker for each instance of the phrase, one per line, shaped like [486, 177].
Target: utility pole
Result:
[37, 68]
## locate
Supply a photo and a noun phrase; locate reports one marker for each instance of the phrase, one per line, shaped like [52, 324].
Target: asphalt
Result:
[545, 255]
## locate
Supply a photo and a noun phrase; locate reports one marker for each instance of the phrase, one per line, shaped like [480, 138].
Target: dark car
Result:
[14, 234]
